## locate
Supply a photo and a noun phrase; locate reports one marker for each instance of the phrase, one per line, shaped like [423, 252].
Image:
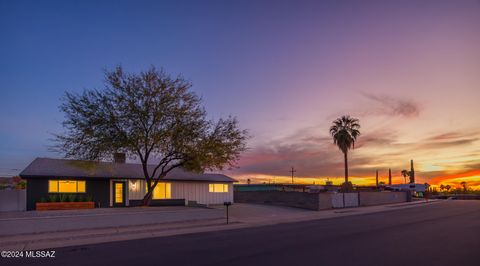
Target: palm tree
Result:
[345, 131]
[448, 187]
[405, 173]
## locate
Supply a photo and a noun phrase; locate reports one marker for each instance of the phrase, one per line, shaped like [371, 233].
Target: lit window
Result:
[81, 186]
[162, 191]
[66, 186]
[218, 188]
[52, 186]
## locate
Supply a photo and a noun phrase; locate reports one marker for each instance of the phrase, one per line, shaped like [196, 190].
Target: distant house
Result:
[415, 189]
[117, 184]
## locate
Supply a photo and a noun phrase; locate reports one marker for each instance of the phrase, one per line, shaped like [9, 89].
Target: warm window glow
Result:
[118, 193]
[218, 188]
[52, 186]
[66, 186]
[81, 186]
[162, 191]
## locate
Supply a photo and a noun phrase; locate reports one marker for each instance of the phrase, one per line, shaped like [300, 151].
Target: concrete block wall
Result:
[325, 201]
[13, 200]
[337, 200]
[319, 201]
[351, 199]
[379, 198]
[291, 199]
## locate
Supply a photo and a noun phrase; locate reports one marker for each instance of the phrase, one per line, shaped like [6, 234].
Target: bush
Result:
[53, 198]
[62, 198]
[347, 187]
[43, 200]
[21, 185]
[89, 198]
[71, 198]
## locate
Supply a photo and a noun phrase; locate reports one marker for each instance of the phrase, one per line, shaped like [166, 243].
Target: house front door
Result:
[118, 194]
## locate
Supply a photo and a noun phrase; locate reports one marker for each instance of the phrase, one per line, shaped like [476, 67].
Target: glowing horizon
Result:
[409, 70]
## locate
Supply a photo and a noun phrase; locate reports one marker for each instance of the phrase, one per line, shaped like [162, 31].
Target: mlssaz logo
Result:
[40, 254]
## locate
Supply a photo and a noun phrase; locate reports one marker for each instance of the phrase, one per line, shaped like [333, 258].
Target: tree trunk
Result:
[147, 199]
[346, 167]
[148, 196]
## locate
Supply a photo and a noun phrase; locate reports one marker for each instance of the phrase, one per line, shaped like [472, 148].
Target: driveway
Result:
[14, 223]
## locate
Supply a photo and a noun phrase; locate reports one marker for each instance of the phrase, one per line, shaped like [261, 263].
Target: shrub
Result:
[63, 198]
[346, 187]
[43, 200]
[53, 198]
[21, 185]
[71, 198]
[89, 198]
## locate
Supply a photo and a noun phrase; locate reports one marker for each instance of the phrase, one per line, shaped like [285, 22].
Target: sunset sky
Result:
[409, 70]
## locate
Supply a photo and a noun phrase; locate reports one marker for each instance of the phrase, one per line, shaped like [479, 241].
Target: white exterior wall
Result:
[190, 191]
[136, 189]
[198, 191]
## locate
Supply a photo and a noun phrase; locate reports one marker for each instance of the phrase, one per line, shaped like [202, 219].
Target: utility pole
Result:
[292, 172]
[376, 177]
[389, 176]
[412, 173]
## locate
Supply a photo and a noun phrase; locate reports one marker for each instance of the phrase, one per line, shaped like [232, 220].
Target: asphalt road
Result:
[446, 233]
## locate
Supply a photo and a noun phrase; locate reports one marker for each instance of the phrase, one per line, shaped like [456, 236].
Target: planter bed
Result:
[46, 206]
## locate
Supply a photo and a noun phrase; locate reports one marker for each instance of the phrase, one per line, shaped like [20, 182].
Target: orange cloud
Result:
[471, 177]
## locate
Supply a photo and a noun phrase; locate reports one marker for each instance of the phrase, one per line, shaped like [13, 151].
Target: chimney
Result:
[389, 176]
[412, 173]
[119, 157]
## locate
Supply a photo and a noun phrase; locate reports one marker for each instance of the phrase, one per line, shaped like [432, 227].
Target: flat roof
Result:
[63, 168]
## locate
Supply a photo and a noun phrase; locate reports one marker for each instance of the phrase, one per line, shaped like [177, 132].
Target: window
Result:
[118, 192]
[66, 186]
[162, 191]
[218, 188]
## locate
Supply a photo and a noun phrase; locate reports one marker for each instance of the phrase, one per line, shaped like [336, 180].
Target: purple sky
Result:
[409, 70]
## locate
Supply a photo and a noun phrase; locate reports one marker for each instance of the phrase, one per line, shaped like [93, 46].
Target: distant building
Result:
[416, 189]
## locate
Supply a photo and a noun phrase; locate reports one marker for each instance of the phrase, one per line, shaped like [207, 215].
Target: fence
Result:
[319, 201]
[13, 200]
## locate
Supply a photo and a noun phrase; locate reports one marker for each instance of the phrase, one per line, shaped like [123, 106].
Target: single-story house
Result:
[416, 189]
[117, 184]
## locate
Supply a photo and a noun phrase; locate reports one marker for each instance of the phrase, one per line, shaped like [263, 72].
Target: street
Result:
[445, 233]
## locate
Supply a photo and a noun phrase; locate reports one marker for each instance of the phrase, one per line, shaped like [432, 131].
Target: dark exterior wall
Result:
[100, 191]
[37, 188]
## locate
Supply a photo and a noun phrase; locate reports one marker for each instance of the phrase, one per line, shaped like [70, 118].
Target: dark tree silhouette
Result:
[150, 116]
[345, 131]
[405, 173]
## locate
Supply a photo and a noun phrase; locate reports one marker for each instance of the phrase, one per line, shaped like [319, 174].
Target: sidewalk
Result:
[34, 222]
[241, 216]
